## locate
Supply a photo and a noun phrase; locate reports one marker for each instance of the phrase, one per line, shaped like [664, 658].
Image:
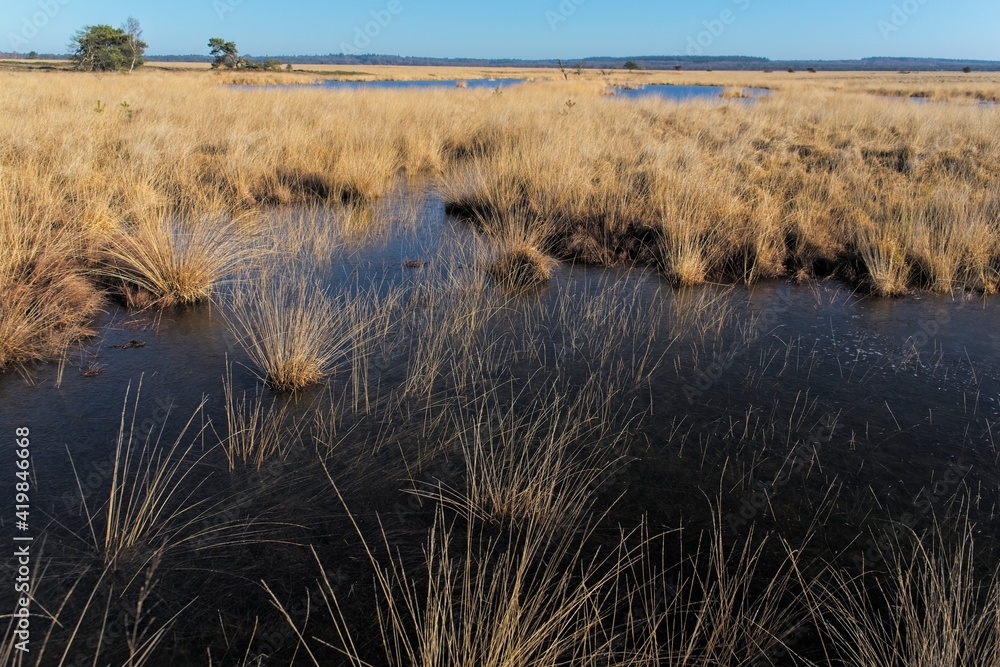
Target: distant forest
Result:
[734, 63]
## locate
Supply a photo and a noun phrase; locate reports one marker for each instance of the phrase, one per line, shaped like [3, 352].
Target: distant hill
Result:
[731, 63]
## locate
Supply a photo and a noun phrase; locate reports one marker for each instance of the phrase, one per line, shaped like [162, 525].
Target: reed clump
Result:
[292, 330]
[520, 266]
[518, 261]
[936, 607]
[163, 261]
[151, 506]
[48, 303]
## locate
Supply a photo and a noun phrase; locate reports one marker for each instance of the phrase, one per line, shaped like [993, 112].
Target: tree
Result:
[967, 69]
[631, 64]
[226, 54]
[33, 55]
[133, 42]
[101, 48]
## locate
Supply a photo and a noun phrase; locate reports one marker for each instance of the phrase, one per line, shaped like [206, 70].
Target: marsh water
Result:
[684, 93]
[717, 387]
[913, 383]
[669, 92]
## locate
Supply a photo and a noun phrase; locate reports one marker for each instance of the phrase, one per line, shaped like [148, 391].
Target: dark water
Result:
[682, 93]
[913, 382]
[893, 404]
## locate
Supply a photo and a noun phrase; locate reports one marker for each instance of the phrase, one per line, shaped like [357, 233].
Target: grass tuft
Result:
[47, 302]
[932, 609]
[293, 331]
[163, 262]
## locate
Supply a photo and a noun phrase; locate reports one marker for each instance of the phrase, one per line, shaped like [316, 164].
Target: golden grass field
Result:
[157, 189]
[826, 176]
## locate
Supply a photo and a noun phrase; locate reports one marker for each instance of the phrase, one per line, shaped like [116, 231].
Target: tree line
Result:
[103, 48]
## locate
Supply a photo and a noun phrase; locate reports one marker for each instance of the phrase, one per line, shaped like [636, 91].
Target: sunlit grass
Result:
[47, 302]
[164, 261]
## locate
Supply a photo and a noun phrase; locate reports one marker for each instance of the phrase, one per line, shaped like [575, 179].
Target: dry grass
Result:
[884, 255]
[814, 180]
[149, 508]
[535, 464]
[934, 609]
[255, 433]
[163, 261]
[824, 177]
[539, 600]
[64, 611]
[475, 602]
[726, 604]
[293, 331]
[518, 261]
[47, 301]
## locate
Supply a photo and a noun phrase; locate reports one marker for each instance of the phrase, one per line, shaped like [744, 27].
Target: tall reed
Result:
[937, 606]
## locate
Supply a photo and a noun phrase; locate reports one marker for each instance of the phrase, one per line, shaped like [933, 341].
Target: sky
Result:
[777, 29]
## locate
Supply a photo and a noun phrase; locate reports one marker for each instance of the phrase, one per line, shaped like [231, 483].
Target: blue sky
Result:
[528, 28]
